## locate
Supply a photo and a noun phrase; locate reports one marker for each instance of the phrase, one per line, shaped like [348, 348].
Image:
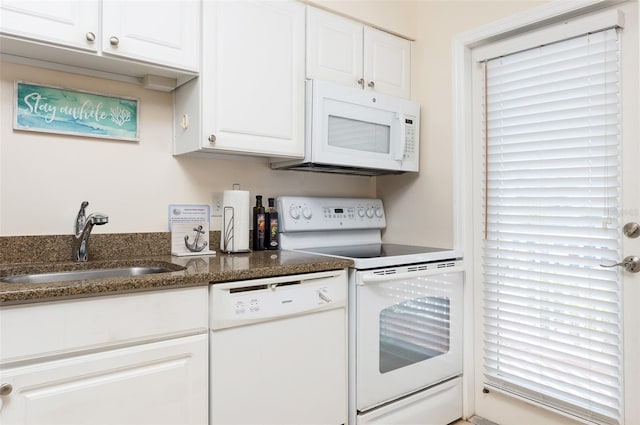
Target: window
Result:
[414, 330]
[552, 313]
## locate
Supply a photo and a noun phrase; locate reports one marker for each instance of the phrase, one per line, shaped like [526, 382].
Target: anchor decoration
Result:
[193, 247]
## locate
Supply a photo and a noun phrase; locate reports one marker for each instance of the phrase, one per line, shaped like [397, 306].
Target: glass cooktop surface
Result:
[374, 250]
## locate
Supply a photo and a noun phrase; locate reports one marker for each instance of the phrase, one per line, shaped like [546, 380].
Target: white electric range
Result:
[405, 310]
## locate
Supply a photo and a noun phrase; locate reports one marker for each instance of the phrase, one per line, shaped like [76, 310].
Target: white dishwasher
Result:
[278, 352]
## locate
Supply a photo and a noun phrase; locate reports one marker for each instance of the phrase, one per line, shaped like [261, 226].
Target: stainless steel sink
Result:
[84, 274]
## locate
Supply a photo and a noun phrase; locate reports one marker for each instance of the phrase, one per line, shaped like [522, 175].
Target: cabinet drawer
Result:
[55, 328]
[441, 404]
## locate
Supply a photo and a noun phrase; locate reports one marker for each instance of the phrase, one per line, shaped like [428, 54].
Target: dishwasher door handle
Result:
[374, 278]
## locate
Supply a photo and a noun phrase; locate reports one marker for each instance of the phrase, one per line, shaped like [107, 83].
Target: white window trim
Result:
[462, 132]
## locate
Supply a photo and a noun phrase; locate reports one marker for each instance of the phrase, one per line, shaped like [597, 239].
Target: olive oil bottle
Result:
[271, 241]
[259, 225]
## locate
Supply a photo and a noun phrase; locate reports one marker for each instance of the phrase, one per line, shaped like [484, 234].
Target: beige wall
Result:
[424, 202]
[44, 177]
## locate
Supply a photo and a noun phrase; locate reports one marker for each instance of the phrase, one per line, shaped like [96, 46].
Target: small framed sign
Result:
[189, 226]
[51, 109]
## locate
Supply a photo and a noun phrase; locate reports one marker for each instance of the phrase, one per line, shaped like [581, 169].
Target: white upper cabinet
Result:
[387, 63]
[163, 32]
[350, 53]
[249, 98]
[132, 38]
[334, 48]
[68, 23]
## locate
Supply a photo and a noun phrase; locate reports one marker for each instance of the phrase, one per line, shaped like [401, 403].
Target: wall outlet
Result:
[216, 204]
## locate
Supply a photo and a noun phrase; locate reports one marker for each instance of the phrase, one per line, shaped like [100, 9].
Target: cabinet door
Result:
[253, 77]
[159, 383]
[68, 23]
[164, 32]
[334, 48]
[387, 63]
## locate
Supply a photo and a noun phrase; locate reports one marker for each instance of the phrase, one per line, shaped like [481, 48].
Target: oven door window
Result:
[413, 331]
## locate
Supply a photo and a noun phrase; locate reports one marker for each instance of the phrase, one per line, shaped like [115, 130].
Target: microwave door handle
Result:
[372, 278]
[403, 138]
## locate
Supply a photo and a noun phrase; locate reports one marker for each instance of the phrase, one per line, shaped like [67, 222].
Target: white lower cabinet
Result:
[157, 383]
[123, 359]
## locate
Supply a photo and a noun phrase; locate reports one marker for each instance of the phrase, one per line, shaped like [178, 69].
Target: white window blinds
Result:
[552, 314]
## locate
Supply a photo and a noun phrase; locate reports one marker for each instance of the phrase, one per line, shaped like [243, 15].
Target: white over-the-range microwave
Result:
[354, 131]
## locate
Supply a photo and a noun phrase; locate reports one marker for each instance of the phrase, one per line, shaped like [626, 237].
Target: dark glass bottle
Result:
[272, 226]
[259, 225]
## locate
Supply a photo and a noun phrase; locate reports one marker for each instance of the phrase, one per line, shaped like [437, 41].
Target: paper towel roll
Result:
[235, 221]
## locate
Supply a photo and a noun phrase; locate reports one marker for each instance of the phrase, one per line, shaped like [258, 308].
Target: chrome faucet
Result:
[82, 230]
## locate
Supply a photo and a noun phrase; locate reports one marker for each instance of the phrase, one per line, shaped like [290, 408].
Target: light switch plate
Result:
[216, 204]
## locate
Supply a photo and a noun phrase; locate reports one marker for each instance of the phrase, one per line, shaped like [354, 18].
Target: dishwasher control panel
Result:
[278, 300]
[239, 303]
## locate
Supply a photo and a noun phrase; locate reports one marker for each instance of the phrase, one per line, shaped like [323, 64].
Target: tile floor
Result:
[474, 420]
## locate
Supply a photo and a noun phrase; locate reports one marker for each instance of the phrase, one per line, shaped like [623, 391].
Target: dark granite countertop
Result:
[190, 271]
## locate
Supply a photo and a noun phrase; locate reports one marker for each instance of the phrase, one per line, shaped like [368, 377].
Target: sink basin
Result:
[84, 274]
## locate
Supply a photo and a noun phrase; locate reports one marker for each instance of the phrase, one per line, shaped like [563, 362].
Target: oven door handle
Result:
[374, 278]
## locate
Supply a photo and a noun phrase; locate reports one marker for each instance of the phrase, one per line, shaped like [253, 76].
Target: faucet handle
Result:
[80, 218]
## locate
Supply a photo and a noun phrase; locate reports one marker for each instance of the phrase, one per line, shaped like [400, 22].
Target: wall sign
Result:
[55, 110]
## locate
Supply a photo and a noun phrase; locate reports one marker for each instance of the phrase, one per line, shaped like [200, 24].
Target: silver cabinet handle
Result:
[212, 138]
[5, 390]
[90, 36]
[114, 41]
[371, 84]
[361, 82]
[630, 264]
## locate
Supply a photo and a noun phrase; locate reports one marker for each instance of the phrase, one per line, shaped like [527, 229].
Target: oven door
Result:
[408, 331]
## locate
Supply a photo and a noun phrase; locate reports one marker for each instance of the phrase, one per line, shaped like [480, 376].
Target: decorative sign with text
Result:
[189, 226]
[55, 110]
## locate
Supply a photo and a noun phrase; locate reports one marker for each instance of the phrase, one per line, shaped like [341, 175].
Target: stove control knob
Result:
[294, 213]
[307, 213]
[379, 212]
[361, 212]
[370, 213]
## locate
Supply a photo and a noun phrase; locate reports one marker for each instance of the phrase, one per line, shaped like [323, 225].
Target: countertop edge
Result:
[216, 269]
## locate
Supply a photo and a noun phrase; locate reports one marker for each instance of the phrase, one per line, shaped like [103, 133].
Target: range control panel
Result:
[301, 213]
